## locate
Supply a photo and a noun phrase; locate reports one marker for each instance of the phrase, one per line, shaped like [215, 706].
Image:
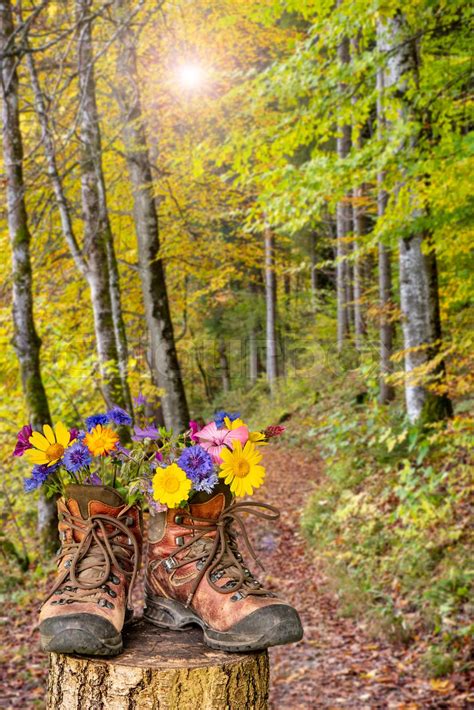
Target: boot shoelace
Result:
[98, 550]
[221, 554]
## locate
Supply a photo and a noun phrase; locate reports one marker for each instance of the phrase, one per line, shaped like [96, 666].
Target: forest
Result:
[262, 206]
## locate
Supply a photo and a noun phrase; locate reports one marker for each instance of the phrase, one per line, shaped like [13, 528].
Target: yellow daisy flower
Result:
[170, 485]
[240, 468]
[48, 447]
[233, 425]
[101, 440]
[256, 437]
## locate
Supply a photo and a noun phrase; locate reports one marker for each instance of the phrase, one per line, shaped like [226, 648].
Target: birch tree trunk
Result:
[343, 224]
[163, 348]
[360, 228]
[270, 308]
[98, 240]
[386, 328]
[224, 366]
[80, 259]
[418, 270]
[26, 340]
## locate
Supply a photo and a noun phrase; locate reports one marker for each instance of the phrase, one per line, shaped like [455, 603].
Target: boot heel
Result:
[169, 614]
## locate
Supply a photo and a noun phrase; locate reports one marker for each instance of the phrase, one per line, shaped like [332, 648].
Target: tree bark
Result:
[343, 224]
[98, 240]
[418, 269]
[164, 356]
[224, 366]
[270, 308]
[360, 228]
[26, 340]
[70, 237]
[174, 674]
[386, 328]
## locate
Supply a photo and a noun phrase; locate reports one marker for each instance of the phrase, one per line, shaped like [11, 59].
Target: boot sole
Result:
[270, 626]
[82, 634]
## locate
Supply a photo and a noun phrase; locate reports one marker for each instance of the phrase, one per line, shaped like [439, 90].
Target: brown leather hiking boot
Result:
[98, 562]
[196, 575]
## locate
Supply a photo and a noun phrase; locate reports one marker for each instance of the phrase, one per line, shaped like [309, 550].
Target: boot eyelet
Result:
[169, 564]
[129, 521]
[109, 605]
[114, 579]
[236, 597]
[67, 564]
[102, 602]
[179, 541]
[178, 519]
[111, 593]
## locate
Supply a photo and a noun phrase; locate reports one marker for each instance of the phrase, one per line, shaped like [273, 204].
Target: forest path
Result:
[336, 665]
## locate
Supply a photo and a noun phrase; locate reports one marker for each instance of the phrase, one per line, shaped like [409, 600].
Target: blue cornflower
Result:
[93, 480]
[76, 457]
[198, 466]
[39, 474]
[119, 416]
[221, 415]
[95, 419]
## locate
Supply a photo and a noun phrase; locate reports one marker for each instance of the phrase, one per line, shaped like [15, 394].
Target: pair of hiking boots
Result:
[195, 574]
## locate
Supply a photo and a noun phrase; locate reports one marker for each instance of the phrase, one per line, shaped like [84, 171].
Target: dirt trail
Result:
[336, 665]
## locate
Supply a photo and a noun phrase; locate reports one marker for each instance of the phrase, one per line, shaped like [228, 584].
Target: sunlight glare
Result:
[191, 76]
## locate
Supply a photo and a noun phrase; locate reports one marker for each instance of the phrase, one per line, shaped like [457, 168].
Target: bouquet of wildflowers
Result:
[145, 461]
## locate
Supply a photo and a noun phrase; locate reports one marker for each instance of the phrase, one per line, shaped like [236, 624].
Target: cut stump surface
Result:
[160, 670]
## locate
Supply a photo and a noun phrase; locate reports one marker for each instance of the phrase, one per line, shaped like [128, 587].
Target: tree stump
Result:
[160, 670]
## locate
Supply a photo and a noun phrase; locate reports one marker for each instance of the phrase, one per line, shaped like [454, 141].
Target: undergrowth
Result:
[392, 518]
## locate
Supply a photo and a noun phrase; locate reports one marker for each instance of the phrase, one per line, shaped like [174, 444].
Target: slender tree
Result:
[26, 340]
[98, 240]
[270, 308]
[418, 269]
[386, 328]
[343, 223]
[81, 258]
[155, 296]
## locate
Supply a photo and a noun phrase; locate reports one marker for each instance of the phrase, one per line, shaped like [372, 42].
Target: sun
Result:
[191, 75]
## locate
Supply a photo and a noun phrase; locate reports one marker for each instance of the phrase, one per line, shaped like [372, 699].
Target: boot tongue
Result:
[211, 505]
[84, 494]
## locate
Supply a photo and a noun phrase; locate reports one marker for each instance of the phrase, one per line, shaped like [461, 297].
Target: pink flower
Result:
[213, 440]
[194, 426]
[23, 440]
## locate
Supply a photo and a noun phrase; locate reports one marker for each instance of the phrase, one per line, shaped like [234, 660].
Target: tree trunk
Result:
[360, 228]
[270, 308]
[224, 366]
[97, 232]
[418, 270]
[343, 224]
[26, 340]
[160, 669]
[386, 328]
[165, 360]
[313, 272]
[70, 237]
[253, 356]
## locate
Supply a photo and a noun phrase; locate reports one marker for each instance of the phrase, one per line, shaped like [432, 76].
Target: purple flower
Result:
[95, 419]
[148, 432]
[39, 474]
[159, 456]
[120, 450]
[198, 466]
[93, 480]
[76, 457]
[119, 416]
[76, 433]
[140, 401]
[221, 415]
[23, 440]
[194, 426]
